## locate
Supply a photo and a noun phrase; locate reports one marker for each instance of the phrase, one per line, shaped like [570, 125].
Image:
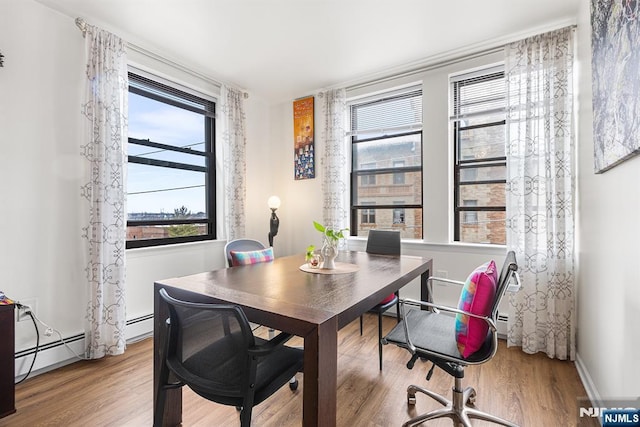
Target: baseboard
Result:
[55, 354]
[589, 385]
[139, 328]
[587, 382]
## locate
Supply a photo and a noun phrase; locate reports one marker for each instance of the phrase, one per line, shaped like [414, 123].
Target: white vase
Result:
[329, 252]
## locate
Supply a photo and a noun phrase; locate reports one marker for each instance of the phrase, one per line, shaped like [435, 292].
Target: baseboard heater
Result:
[502, 325]
[53, 355]
[48, 346]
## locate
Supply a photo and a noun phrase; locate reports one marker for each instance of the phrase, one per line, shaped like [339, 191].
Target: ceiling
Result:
[284, 49]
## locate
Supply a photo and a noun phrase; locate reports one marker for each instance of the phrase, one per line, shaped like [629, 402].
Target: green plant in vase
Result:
[330, 233]
[331, 238]
[311, 257]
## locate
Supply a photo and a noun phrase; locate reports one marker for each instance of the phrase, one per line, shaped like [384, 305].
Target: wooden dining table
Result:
[311, 305]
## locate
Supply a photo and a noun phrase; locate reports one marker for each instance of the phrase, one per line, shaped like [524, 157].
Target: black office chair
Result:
[383, 242]
[241, 245]
[211, 349]
[430, 335]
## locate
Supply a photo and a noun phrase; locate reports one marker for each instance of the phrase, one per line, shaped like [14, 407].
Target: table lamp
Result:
[274, 223]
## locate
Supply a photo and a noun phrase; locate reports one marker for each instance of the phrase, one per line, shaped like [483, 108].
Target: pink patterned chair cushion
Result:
[251, 257]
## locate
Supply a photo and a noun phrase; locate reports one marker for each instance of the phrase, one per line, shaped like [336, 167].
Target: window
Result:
[369, 179]
[398, 213]
[470, 217]
[170, 170]
[398, 177]
[478, 122]
[368, 215]
[386, 171]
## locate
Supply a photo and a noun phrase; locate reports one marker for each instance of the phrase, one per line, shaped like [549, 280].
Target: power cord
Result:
[37, 342]
[48, 332]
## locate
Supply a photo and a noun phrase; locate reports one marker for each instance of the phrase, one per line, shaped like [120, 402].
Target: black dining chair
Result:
[211, 349]
[246, 252]
[383, 242]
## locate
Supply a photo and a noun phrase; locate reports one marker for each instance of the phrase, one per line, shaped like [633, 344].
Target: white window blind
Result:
[476, 95]
[388, 115]
[170, 95]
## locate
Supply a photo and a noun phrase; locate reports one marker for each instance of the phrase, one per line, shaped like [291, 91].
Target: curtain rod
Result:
[460, 55]
[82, 25]
[423, 68]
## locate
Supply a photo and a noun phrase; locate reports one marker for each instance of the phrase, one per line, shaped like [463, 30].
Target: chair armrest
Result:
[432, 279]
[448, 309]
[269, 346]
[442, 279]
[437, 308]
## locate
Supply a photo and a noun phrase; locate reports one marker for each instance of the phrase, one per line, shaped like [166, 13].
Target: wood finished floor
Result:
[530, 390]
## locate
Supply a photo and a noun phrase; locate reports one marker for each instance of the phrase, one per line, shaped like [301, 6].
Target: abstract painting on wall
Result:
[615, 63]
[304, 152]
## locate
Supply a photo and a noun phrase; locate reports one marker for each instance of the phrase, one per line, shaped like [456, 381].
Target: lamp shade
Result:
[274, 202]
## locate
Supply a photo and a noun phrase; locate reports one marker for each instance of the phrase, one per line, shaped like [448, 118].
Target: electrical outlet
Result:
[22, 312]
[442, 273]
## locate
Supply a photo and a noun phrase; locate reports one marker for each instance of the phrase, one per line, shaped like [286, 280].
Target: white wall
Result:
[41, 91]
[302, 200]
[608, 205]
[48, 195]
[262, 171]
[41, 88]
[609, 258]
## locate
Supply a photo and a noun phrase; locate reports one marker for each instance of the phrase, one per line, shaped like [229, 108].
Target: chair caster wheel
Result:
[293, 385]
[472, 399]
[411, 399]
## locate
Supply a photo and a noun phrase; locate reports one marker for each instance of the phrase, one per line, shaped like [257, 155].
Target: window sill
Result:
[417, 244]
[174, 247]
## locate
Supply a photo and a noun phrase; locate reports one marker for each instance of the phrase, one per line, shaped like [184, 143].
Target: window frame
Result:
[173, 97]
[461, 164]
[356, 175]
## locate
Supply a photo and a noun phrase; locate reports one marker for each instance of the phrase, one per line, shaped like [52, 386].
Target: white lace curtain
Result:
[540, 192]
[334, 160]
[104, 231]
[231, 164]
